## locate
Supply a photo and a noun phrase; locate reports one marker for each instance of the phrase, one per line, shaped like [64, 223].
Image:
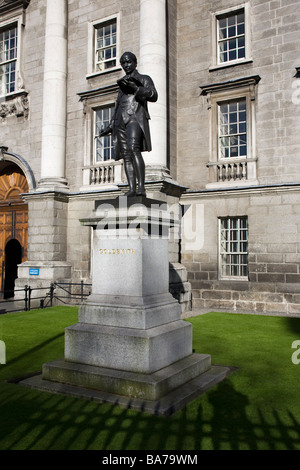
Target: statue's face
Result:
[128, 64]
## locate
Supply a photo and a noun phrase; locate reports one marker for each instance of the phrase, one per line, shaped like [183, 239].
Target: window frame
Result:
[222, 136]
[238, 253]
[95, 98]
[10, 63]
[18, 22]
[215, 17]
[111, 107]
[92, 39]
[231, 90]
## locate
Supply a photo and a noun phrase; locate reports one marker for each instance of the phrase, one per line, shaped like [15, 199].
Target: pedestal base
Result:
[128, 349]
[161, 393]
[134, 385]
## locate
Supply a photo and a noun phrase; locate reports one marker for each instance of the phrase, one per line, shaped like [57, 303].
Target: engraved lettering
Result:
[116, 251]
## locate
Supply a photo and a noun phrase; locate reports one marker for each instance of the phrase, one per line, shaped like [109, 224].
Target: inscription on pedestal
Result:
[116, 251]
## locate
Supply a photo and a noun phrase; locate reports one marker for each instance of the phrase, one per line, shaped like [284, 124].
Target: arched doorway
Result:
[13, 224]
[13, 257]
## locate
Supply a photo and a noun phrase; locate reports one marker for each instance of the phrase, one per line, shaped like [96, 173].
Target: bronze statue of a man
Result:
[130, 126]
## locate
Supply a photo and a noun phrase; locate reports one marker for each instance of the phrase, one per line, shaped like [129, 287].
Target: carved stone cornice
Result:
[89, 95]
[96, 92]
[230, 84]
[10, 5]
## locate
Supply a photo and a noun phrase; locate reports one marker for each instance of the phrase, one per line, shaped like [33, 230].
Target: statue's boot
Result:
[139, 167]
[131, 177]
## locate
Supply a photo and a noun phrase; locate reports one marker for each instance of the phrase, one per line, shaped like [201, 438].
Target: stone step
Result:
[166, 405]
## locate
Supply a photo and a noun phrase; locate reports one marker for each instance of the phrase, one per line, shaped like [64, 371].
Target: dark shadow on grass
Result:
[40, 420]
[229, 422]
[294, 325]
[231, 426]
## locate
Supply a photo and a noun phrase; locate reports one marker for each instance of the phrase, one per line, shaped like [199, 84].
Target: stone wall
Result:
[81, 15]
[273, 252]
[272, 202]
[275, 40]
[22, 134]
[47, 230]
[172, 87]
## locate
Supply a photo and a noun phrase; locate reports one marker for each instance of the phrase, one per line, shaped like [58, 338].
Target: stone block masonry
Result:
[273, 279]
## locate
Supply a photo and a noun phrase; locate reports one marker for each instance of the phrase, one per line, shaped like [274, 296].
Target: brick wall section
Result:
[248, 296]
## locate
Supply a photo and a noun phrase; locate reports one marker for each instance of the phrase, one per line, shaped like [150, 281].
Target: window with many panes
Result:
[231, 37]
[103, 46]
[103, 146]
[233, 247]
[8, 59]
[232, 129]
[106, 45]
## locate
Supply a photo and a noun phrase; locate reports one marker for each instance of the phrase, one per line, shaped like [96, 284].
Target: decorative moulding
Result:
[230, 84]
[10, 5]
[95, 93]
[16, 104]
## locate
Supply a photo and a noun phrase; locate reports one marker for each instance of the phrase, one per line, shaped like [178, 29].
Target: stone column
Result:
[48, 203]
[54, 96]
[153, 60]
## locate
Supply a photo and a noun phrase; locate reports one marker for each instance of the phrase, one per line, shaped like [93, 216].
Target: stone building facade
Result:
[225, 134]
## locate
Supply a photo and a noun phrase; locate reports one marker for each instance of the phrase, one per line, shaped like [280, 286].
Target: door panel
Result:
[13, 213]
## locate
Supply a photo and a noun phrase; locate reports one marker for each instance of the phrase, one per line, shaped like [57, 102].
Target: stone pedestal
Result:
[130, 342]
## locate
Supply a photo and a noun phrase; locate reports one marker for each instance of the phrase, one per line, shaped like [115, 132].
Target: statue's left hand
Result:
[128, 83]
[131, 83]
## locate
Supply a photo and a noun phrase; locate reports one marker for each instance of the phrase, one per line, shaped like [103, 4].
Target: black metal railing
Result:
[41, 297]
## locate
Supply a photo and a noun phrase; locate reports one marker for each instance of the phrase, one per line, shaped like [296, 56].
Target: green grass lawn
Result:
[257, 407]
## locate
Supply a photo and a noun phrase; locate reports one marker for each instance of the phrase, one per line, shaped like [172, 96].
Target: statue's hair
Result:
[131, 55]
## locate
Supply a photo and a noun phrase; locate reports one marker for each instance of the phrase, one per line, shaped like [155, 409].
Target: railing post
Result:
[29, 297]
[81, 291]
[26, 297]
[51, 293]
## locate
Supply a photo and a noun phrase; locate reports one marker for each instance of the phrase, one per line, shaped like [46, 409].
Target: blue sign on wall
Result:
[34, 271]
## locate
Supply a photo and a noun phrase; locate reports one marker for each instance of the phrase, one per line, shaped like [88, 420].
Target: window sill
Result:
[13, 94]
[230, 64]
[104, 72]
[232, 184]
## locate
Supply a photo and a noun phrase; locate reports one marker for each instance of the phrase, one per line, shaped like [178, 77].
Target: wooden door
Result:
[13, 215]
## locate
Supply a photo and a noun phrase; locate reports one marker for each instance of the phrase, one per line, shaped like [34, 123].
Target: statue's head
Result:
[128, 61]
[129, 55]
